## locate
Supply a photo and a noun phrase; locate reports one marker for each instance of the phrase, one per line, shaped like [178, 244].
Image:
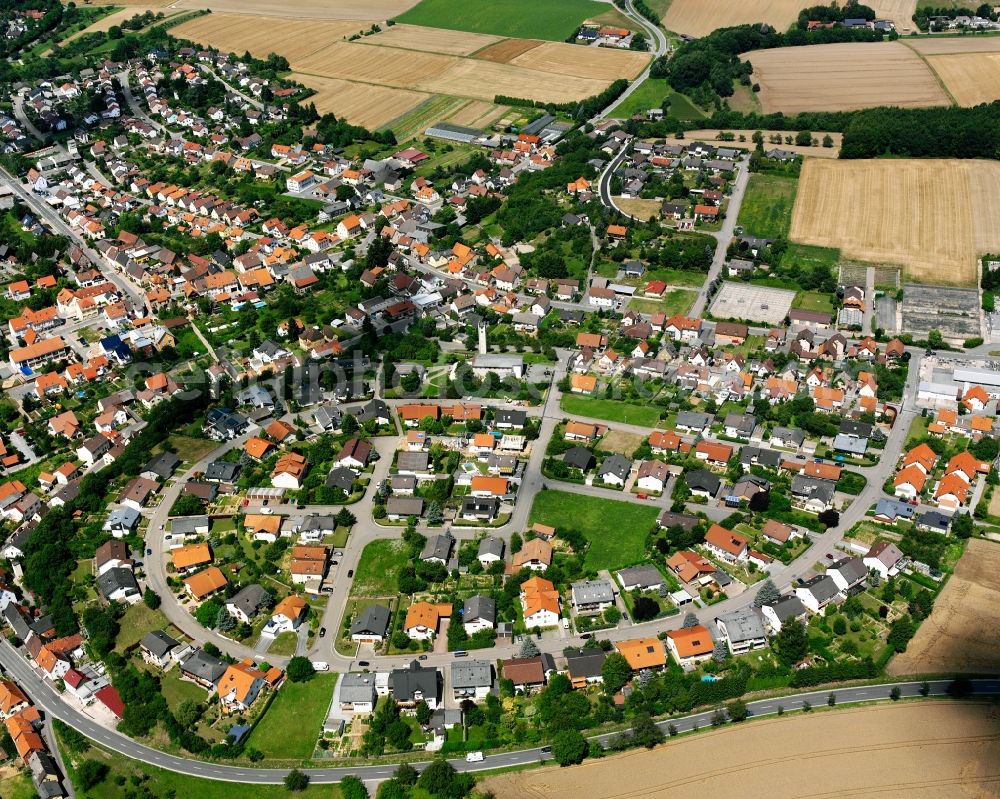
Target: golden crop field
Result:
[841, 77]
[603, 63]
[291, 38]
[944, 45]
[433, 40]
[360, 103]
[303, 9]
[900, 750]
[507, 50]
[385, 66]
[701, 17]
[471, 77]
[962, 634]
[930, 216]
[477, 113]
[971, 78]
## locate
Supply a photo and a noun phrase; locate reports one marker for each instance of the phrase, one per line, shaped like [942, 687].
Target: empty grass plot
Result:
[701, 17]
[767, 205]
[842, 77]
[553, 20]
[930, 216]
[753, 303]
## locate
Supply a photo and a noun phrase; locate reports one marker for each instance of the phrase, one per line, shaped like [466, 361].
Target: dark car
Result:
[322, 632]
[422, 657]
[149, 551]
[350, 572]
[363, 663]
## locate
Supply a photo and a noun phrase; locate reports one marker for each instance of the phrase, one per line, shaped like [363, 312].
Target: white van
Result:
[320, 665]
[474, 757]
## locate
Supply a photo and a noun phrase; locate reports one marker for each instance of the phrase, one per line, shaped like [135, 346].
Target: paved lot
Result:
[955, 312]
[754, 303]
[885, 314]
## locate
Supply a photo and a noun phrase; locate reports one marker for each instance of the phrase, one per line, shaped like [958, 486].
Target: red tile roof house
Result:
[726, 544]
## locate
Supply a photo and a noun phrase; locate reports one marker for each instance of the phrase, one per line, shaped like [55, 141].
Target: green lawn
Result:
[767, 205]
[17, 786]
[378, 570]
[161, 783]
[813, 301]
[136, 622]
[673, 302]
[650, 94]
[175, 690]
[677, 277]
[609, 410]
[190, 449]
[293, 722]
[283, 645]
[681, 107]
[806, 255]
[552, 20]
[616, 530]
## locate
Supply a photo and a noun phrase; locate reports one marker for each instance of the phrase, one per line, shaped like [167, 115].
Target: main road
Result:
[41, 692]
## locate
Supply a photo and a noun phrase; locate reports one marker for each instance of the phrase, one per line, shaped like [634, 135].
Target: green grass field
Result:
[813, 301]
[292, 723]
[673, 302]
[378, 570]
[552, 20]
[284, 645]
[651, 94]
[616, 530]
[806, 255]
[609, 410]
[767, 205]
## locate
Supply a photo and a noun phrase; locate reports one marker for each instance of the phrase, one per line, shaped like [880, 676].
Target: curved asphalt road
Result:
[41, 692]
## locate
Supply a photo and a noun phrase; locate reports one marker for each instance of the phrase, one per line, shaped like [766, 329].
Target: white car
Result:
[474, 757]
[320, 665]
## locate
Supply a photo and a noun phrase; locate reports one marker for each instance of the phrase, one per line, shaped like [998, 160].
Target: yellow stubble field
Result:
[304, 9]
[701, 17]
[602, 63]
[971, 78]
[292, 38]
[904, 750]
[931, 216]
[433, 40]
[360, 103]
[843, 77]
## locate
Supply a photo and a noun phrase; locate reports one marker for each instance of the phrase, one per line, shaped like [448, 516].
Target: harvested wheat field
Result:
[839, 77]
[909, 750]
[361, 10]
[507, 50]
[433, 40]
[931, 216]
[387, 66]
[595, 62]
[359, 103]
[899, 11]
[701, 17]
[962, 634]
[238, 33]
[971, 78]
[470, 77]
[477, 113]
[945, 45]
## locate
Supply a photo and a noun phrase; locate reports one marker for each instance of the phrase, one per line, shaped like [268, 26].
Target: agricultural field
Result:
[560, 58]
[594, 517]
[971, 78]
[948, 45]
[905, 750]
[712, 134]
[767, 205]
[837, 77]
[701, 17]
[241, 32]
[434, 40]
[899, 11]
[962, 634]
[507, 50]
[363, 104]
[930, 216]
[553, 20]
[380, 10]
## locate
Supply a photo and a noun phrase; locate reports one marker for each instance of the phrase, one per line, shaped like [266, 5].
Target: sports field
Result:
[931, 216]
[962, 634]
[553, 20]
[838, 77]
[903, 750]
[701, 17]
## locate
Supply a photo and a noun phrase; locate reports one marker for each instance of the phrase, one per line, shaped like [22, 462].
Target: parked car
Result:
[149, 551]
[350, 572]
[322, 632]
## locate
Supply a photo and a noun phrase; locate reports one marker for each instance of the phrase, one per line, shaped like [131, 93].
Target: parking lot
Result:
[753, 303]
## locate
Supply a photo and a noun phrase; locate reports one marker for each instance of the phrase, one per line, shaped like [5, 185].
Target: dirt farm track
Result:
[962, 633]
[910, 750]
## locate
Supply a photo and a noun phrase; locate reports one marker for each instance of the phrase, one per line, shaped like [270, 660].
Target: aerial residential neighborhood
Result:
[408, 394]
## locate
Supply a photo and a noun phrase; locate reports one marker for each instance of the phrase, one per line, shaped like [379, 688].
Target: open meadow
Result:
[906, 750]
[701, 17]
[838, 77]
[553, 20]
[962, 634]
[931, 216]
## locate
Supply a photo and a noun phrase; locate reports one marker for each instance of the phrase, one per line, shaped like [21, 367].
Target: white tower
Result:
[482, 338]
